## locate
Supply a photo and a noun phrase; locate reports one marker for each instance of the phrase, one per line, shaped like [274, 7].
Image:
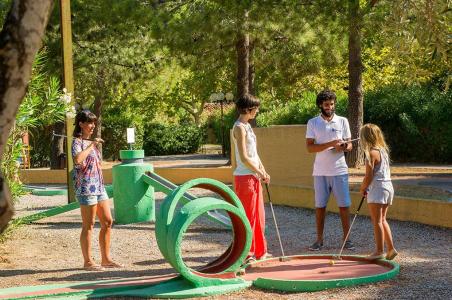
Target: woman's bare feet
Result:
[111, 264]
[92, 266]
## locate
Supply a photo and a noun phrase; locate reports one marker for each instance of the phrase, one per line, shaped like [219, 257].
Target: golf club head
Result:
[284, 258]
[240, 272]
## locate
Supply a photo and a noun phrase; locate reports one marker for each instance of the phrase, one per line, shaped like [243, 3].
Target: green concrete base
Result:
[49, 192]
[62, 191]
[48, 213]
[144, 288]
[177, 288]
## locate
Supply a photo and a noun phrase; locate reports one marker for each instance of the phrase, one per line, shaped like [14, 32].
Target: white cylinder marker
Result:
[130, 135]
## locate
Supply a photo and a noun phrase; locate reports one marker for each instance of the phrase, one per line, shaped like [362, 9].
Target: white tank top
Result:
[251, 150]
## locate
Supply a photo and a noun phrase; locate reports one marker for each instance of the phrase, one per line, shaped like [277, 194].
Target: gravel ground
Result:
[47, 252]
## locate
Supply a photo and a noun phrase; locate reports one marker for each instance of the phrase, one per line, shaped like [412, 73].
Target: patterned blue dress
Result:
[88, 178]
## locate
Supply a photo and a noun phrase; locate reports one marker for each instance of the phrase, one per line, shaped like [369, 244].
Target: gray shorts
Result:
[91, 199]
[380, 195]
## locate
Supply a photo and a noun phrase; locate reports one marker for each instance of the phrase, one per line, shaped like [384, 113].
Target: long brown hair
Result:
[372, 137]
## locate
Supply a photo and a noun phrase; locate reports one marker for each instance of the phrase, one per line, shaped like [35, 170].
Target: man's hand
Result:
[340, 145]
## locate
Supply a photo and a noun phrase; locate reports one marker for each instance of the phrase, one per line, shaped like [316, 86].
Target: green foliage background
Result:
[154, 65]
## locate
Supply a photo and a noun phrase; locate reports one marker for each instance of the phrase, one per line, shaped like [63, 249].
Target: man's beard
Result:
[327, 114]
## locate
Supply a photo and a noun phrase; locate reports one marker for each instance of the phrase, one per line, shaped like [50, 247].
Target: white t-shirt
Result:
[328, 162]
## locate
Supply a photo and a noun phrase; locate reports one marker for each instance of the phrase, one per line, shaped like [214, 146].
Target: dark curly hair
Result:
[324, 96]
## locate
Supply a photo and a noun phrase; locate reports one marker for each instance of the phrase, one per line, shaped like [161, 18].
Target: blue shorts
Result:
[324, 185]
[91, 199]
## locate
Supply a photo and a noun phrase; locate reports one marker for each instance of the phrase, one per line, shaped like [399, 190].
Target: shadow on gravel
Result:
[18, 272]
[107, 274]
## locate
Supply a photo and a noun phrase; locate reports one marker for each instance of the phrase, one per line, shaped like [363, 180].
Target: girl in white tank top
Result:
[377, 187]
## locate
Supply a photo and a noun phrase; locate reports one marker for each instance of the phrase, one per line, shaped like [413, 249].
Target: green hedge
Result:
[161, 139]
[214, 121]
[114, 125]
[415, 120]
[297, 111]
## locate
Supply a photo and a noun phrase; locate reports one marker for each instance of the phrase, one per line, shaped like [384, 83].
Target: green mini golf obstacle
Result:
[171, 226]
[165, 186]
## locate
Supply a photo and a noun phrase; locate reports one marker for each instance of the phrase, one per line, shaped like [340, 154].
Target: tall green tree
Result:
[112, 52]
[262, 46]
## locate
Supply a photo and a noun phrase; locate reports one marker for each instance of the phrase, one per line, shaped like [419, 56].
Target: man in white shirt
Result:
[327, 136]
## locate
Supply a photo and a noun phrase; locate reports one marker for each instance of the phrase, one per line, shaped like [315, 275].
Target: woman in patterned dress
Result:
[90, 191]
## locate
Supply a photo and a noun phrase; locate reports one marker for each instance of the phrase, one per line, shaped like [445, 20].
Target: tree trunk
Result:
[98, 103]
[251, 71]
[355, 91]
[20, 40]
[243, 63]
[57, 148]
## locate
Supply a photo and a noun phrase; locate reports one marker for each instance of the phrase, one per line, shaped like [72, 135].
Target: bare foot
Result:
[375, 256]
[112, 264]
[92, 267]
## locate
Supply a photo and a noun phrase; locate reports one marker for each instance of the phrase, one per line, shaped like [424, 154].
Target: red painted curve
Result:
[315, 268]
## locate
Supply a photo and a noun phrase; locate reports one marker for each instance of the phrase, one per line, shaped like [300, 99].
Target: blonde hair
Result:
[371, 136]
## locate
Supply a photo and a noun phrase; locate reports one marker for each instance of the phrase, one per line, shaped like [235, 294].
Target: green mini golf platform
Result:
[310, 273]
[300, 273]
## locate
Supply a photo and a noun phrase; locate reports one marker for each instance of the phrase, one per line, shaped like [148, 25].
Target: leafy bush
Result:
[214, 122]
[161, 139]
[114, 124]
[40, 145]
[297, 111]
[415, 120]
[43, 105]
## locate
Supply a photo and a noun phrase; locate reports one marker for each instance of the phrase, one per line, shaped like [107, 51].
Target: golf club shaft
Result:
[65, 136]
[274, 219]
[351, 225]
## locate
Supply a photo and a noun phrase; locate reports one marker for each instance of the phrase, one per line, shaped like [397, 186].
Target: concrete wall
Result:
[423, 211]
[177, 176]
[282, 150]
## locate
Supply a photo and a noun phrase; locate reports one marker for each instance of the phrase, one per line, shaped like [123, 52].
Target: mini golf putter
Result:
[283, 258]
[338, 257]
